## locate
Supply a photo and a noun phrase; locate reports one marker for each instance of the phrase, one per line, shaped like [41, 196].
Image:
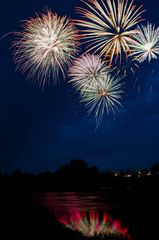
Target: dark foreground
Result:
[22, 218]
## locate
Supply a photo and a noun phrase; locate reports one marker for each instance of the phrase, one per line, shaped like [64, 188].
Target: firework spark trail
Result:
[108, 26]
[99, 90]
[46, 46]
[125, 68]
[146, 44]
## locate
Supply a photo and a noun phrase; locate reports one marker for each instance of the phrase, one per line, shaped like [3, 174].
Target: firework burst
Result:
[99, 90]
[86, 70]
[108, 26]
[146, 45]
[45, 47]
[104, 95]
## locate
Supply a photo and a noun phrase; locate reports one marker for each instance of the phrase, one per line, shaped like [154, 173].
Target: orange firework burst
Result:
[108, 26]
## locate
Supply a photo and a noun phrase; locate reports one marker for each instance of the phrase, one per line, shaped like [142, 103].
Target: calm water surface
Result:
[130, 209]
[49, 214]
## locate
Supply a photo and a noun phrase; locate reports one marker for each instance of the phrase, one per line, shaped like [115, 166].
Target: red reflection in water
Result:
[93, 224]
[74, 211]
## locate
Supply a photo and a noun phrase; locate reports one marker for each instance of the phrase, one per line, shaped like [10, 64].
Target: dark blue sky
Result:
[42, 130]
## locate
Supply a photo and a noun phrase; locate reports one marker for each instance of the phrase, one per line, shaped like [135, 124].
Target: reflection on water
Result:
[71, 201]
[87, 213]
[93, 224]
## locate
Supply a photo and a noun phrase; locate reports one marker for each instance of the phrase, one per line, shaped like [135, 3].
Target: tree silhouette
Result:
[144, 172]
[155, 168]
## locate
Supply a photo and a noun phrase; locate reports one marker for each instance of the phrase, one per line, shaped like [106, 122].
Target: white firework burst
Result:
[86, 70]
[99, 90]
[104, 95]
[146, 44]
[46, 46]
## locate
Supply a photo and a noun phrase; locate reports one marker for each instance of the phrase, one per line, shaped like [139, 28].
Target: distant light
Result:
[128, 175]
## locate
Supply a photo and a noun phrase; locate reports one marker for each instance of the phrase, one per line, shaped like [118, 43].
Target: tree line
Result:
[77, 175]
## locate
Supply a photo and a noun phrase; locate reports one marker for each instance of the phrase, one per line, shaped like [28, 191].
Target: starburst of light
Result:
[46, 46]
[99, 90]
[146, 44]
[108, 26]
[86, 70]
[104, 95]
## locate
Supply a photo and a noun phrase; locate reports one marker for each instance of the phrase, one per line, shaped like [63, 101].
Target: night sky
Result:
[42, 130]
